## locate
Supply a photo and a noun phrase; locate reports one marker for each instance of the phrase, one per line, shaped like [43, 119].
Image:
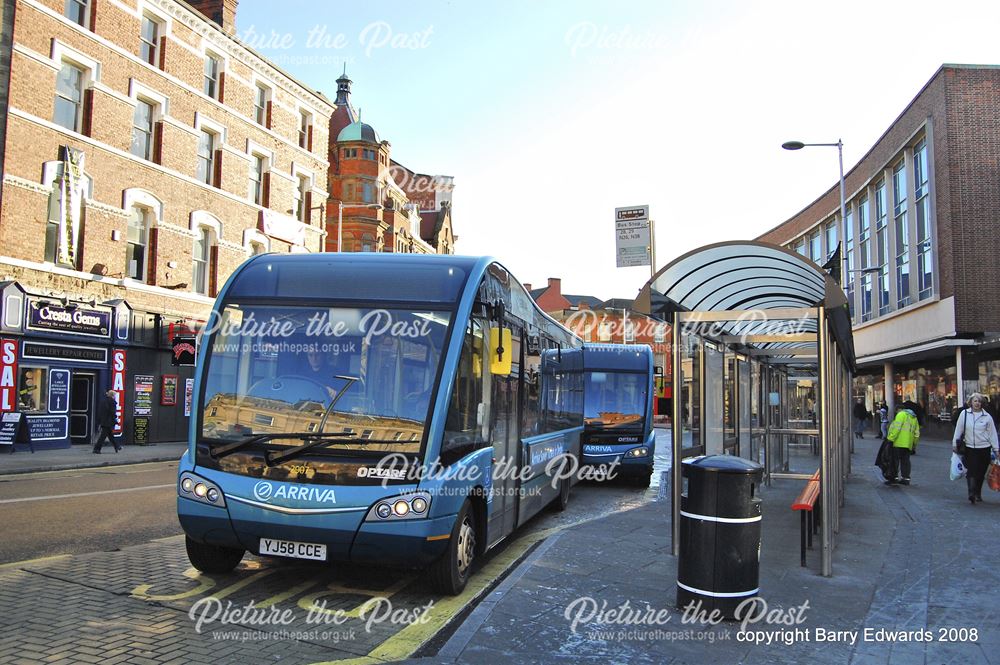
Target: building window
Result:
[922, 199]
[902, 229]
[367, 153]
[76, 11]
[136, 242]
[206, 157]
[815, 251]
[260, 106]
[831, 237]
[604, 331]
[864, 246]
[203, 244]
[659, 334]
[149, 38]
[257, 248]
[800, 246]
[367, 243]
[368, 191]
[31, 391]
[212, 68]
[882, 247]
[142, 130]
[69, 97]
[305, 130]
[258, 167]
[52, 227]
[302, 200]
[849, 264]
[350, 153]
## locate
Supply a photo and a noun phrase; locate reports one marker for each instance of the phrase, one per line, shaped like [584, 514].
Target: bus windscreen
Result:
[615, 399]
[343, 379]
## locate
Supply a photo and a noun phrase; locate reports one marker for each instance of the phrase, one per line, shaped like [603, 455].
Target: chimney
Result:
[556, 284]
[221, 12]
[527, 287]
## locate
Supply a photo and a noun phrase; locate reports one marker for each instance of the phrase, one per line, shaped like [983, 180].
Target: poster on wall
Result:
[910, 390]
[118, 386]
[142, 405]
[188, 396]
[168, 390]
[140, 431]
[8, 374]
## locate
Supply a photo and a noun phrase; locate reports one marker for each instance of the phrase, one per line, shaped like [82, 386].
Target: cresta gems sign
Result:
[79, 320]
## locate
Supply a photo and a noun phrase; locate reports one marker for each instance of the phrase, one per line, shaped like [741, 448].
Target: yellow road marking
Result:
[290, 593]
[247, 581]
[32, 561]
[205, 583]
[309, 602]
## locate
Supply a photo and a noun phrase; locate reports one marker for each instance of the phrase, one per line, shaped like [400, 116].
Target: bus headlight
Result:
[196, 488]
[404, 507]
[637, 452]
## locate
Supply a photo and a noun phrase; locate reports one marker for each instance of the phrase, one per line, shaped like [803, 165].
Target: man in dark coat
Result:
[860, 417]
[106, 409]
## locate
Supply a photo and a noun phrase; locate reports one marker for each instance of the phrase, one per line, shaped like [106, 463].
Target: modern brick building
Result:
[147, 154]
[922, 241]
[376, 204]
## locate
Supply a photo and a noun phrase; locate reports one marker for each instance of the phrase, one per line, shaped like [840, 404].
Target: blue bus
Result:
[618, 408]
[386, 409]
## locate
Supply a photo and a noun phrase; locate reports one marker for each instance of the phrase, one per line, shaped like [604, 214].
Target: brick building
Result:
[612, 321]
[147, 154]
[376, 204]
[922, 243]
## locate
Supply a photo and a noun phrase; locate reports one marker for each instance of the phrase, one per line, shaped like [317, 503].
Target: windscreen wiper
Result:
[314, 441]
[229, 448]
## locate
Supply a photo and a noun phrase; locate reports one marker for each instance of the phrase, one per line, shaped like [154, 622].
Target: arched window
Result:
[367, 243]
[137, 242]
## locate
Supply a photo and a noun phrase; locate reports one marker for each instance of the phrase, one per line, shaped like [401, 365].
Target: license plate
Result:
[293, 549]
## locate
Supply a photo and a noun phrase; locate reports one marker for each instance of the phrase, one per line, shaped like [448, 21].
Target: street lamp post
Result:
[798, 145]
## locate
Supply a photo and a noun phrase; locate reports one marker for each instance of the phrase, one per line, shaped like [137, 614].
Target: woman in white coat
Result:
[976, 429]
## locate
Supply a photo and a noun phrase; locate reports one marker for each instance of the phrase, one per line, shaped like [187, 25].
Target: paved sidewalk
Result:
[918, 559]
[80, 457]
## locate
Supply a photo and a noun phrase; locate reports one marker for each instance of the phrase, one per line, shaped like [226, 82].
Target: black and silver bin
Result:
[719, 561]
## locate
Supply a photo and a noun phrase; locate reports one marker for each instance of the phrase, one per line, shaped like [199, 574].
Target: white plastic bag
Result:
[957, 467]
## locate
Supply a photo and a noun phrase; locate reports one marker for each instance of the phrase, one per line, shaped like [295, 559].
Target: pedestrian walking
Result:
[860, 416]
[883, 418]
[975, 436]
[904, 432]
[106, 409]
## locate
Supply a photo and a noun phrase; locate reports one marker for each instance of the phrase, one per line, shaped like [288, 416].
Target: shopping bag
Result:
[957, 467]
[993, 477]
[886, 460]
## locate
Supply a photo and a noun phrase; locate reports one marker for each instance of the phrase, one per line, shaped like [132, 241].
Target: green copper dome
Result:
[358, 131]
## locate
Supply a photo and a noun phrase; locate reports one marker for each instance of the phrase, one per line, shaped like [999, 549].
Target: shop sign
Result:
[48, 351]
[77, 320]
[168, 390]
[188, 396]
[8, 374]
[118, 386]
[140, 431]
[183, 351]
[58, 390]
[48, 428]
[142, 404]
[282, 227]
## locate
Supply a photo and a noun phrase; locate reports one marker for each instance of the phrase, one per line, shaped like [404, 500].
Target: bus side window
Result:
[466, 412]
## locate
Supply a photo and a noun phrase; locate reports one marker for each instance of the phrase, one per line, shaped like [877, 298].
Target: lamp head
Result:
[793, 145]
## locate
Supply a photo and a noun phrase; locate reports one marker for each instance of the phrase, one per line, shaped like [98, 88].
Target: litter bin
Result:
[719, 561]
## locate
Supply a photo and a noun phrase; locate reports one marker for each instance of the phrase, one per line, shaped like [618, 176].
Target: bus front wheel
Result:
[562, 500]
[450, 573]
[212, 558]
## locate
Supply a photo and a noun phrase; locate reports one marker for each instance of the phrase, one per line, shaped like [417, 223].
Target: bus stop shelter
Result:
[763, 359]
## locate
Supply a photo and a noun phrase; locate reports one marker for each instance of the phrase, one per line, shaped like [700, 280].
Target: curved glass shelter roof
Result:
[754, 277]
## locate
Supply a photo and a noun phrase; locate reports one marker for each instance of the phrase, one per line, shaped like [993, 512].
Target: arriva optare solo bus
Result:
[361, 407]
[618, 408]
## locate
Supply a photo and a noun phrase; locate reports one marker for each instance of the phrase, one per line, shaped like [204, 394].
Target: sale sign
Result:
[8, 374]
[118, 385]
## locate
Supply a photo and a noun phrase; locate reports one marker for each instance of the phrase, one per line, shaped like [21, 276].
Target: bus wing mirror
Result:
[500, 351]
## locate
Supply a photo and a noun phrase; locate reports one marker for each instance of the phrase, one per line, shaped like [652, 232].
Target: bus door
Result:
[506, 447]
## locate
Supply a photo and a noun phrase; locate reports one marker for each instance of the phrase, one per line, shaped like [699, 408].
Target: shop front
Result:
[59, 357]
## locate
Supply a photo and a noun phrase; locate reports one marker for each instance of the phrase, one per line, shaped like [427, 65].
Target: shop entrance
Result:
[81, 408]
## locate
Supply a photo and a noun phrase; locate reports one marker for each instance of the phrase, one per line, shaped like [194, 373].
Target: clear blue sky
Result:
[551, 114]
